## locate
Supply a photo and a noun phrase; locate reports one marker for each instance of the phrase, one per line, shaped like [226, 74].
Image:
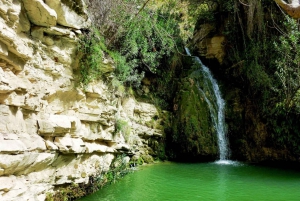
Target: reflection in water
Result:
[222, 183]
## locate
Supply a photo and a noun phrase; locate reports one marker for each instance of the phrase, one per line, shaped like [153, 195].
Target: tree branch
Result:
[142, 7]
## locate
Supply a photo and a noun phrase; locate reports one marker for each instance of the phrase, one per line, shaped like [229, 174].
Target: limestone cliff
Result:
[53, 133]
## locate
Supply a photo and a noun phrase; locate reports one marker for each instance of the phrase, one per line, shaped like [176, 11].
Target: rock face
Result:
[39, 13]
[206, 39]
[193, 137]
[250, 137]
[213, 48]
[68, 17]
[52, 133]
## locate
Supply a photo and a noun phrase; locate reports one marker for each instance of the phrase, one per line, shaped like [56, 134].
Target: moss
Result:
[71, 192]
[147, 158]
[123, 127]
[140, 161]
[151, 123]
[192, 135]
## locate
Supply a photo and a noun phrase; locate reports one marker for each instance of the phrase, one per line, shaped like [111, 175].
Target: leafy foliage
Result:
[146, 40]
[91, 48]
[288, 66]
[263, 49]
[137, 37]
[72, 192]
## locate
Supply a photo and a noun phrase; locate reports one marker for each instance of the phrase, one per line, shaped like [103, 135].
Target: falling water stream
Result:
[212, 95]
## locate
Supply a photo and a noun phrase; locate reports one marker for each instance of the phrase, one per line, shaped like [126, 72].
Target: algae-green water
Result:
[203, 181]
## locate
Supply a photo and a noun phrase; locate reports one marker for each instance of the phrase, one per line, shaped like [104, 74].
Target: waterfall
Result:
[216, 104]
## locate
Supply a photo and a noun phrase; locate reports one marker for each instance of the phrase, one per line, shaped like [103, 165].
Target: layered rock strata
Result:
[53, 133]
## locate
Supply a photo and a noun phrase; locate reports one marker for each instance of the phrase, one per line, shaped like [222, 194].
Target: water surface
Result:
[203, 181]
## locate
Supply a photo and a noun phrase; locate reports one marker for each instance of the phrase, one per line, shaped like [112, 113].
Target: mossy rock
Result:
[147, 158]
[192, 137]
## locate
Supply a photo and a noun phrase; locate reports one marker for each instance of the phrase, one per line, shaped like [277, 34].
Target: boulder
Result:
[292, 8]
[13, 99]
[95, 147]
[12, 146]
[40, 13]
[33, 142]
[70, 13]
[70, 145]
[9, 82]
[54, 124]
[129, 105]
[16, 51]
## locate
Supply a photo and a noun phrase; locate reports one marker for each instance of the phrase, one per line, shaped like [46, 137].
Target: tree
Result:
[288, 65]
[137, 36]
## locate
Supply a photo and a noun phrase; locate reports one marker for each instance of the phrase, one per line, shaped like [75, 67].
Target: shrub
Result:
[138, 38]
[90, 47]
[123, 127]
[288, 65]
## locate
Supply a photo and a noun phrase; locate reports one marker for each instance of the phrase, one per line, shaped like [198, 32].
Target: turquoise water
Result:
[203, 181]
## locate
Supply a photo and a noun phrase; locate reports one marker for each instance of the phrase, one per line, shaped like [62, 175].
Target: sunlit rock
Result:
[40, 13]
[70, 145]
[50, 124]
[68, 17]
[12, 146]
[52, 132]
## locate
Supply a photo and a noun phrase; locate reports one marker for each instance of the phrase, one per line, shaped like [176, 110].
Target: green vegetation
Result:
[118, 169]
[91, 48]
[71, 192]
[138, 41]
[288, 66]
[145, 39]
[123, 127]
[263, 63]
[192, 135]
[286, 128]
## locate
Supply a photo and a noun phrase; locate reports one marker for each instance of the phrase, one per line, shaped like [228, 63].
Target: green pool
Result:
[203, 181]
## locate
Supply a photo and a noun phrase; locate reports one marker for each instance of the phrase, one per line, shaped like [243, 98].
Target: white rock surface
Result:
[40, 13]
[52, 133]
[66, 16]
